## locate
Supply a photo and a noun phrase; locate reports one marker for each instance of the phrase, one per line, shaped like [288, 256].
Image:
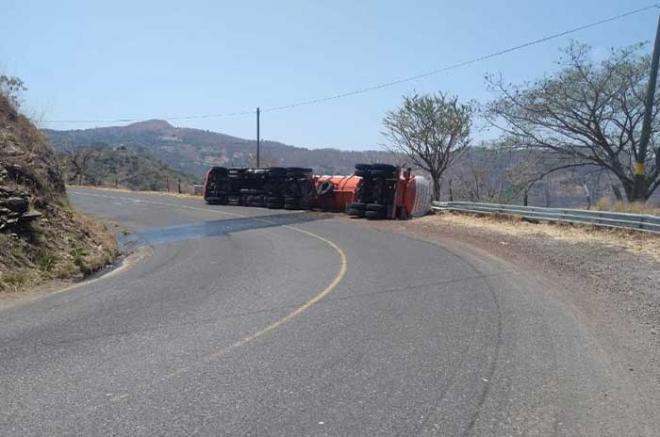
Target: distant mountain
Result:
[193, 151]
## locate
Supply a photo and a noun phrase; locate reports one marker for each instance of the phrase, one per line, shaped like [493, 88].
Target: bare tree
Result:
[496, 173]
[77, 161]
[587, 114]
[432, 130]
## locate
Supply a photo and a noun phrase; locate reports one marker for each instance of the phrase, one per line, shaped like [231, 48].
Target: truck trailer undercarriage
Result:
[373, 191]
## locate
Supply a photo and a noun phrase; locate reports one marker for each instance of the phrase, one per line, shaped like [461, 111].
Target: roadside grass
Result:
[641, 243]
[629, 207]
[81, 247]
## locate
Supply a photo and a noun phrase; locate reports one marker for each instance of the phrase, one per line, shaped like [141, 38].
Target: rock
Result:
[31, 215]
[17, 204]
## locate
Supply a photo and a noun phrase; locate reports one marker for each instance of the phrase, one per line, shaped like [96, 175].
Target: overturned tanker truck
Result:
[373, 191]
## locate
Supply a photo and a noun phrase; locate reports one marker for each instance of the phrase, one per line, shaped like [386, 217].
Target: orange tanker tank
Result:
[334, 193]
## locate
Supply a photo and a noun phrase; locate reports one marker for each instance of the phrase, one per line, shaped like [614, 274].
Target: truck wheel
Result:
[355, 212]
[381, 173]
[358, 206]
[363, 166]
[276, 172]
[362, 173]
[274, 202]
[374, 215]
[385, 167]
[291, 203]
[376, 207]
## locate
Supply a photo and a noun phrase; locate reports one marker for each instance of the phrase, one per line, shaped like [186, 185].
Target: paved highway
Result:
[246, 321]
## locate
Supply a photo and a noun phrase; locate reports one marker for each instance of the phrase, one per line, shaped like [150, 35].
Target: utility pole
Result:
[639, 188]
[258, 138]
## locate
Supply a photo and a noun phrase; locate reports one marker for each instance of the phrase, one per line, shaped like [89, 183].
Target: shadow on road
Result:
[211, 228]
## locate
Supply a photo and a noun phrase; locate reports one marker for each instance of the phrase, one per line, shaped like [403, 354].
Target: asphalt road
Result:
[246, 321]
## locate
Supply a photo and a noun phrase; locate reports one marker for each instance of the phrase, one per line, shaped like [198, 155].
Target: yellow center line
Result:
[298, 311]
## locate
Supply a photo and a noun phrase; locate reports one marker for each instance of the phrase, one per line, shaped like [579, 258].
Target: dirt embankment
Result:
[41, 236]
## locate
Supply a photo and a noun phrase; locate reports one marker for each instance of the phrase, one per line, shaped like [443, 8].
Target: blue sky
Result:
[143, 59]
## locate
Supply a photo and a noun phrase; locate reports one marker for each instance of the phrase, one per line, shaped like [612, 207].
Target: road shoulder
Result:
[608, 279]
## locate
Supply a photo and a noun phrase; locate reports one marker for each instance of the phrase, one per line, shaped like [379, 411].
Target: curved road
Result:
[246, 321]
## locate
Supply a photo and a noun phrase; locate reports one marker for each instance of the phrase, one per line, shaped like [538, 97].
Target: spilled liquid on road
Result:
[214, 228]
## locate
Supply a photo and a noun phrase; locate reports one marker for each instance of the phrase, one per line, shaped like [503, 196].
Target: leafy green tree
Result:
[431, 130]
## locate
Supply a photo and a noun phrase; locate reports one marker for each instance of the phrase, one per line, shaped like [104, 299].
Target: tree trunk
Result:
[588, 194]
[435, 181]
[637, 190]
[546, 192]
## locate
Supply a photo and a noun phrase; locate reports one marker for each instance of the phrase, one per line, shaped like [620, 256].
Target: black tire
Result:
[376, 207]
[276, 172]
[255, 200]
[358, 206]
[374, 215]
[217, 200]
[219, 172]
[250, 191]
[380, 174]
[355, 212]
[385, 167]
[274, 202]
[362, 173]
[299, 172]
[363, 166]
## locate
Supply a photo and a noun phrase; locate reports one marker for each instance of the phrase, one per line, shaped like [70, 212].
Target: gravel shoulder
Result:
[609, 278]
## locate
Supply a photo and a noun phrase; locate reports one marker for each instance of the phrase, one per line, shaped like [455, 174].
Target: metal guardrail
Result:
[639, 222]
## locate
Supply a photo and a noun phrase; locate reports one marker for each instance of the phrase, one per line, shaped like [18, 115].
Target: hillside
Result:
[41, 236]
[124, 166]
[484, 174]
[193, 151]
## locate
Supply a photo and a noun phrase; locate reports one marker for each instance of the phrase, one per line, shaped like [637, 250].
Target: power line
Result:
[464, 63]
[390, 83]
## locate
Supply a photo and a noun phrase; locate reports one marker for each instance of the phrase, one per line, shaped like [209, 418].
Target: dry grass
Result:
[630, 207]
[635, 242]
[74, 248]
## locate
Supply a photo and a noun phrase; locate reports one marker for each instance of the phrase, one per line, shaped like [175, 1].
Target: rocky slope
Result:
[41, 236]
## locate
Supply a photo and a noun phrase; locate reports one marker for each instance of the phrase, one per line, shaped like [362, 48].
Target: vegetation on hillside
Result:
[41, 235]
[127, 167]
[194, 151]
